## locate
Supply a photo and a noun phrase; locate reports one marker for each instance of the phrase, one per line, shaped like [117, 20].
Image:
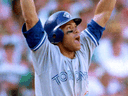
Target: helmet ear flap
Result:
[56, 36]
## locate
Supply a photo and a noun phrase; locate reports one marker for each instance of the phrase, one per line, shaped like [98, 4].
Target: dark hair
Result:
[9, 46]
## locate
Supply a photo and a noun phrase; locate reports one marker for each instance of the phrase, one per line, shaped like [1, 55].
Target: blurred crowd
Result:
[108, 73]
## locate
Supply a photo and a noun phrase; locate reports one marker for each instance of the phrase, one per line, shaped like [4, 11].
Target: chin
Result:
[77, 49]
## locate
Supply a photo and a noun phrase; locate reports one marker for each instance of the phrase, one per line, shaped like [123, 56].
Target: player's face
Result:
[71, 40]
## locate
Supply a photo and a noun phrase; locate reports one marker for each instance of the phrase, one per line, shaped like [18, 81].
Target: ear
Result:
[56, 35]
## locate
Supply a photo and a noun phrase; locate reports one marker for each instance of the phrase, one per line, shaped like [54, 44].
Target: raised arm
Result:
[103, 11]
[29, 13]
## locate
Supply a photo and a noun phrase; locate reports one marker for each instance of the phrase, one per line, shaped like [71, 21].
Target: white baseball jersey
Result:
[56, 74]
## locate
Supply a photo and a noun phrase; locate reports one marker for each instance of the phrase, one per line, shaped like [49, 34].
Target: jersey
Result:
[56, 74]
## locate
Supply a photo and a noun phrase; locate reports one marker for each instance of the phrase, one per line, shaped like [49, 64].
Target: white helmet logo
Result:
[67, 15]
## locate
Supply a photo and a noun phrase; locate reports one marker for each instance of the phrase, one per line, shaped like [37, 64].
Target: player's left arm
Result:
[93, 32]
[96, 27]
[103, 11]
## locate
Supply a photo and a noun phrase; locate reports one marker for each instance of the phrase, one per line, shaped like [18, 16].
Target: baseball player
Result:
[61, 54]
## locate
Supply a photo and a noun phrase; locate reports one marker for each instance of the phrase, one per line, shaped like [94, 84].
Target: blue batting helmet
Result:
[52, 25]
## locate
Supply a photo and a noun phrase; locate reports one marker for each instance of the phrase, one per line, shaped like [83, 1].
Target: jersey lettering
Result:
[64, 76]
[80, 75]
[57, 79]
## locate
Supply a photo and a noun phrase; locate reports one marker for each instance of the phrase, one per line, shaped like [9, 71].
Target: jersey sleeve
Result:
[90, 39]
[35, 37]
[42, 51]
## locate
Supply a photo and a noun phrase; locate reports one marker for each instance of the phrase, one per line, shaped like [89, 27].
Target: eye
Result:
[69, 28]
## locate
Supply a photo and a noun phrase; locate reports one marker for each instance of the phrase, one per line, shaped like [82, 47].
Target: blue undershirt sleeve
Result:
[35, 36]
[94, 31]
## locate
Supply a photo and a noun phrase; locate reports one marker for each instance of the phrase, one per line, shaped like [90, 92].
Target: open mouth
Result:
[77, 39]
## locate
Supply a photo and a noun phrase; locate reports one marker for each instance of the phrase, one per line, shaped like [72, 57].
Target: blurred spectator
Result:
[64, 5]
[115, 52]
[11, 71]
[26, 84]
[111, 86]
[124, 22]
[126, 86]
[7, 2]
[86, 15]
[44, 9]
[112, 56]
[95, 86]
[11, 35]
[3, 88]
[17, 14]
[80, 5]
[5, 11]
[1, 50]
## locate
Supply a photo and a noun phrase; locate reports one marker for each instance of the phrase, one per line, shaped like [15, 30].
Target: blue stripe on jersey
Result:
[92, 37]
[35, 37]
[94, 31]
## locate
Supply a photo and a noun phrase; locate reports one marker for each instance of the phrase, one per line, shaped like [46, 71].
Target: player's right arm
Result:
[29, 13]
[32, 28]
[36, 37]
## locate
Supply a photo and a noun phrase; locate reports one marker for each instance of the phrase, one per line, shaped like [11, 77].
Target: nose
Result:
[76, 30]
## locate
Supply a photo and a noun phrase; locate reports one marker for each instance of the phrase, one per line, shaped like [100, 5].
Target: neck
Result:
[9, 57]
[116, 49]
[65, 52]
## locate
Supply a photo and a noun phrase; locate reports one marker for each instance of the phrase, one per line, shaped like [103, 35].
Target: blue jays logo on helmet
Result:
[52, 25]
[67, 15]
